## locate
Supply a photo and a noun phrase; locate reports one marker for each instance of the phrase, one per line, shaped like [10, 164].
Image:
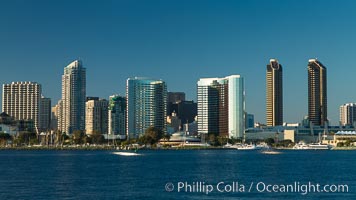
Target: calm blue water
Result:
[104, 175]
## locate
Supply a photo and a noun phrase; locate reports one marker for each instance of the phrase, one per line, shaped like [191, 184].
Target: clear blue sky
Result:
[181, 41]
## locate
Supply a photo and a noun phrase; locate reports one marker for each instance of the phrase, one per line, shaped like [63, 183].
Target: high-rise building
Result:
[117, 115]
[317, 93]
[55, 116]
[45, 114]
[72, 106]
[274, 94]
[186, 111]
[146, 105]
[21, 100]
[96, 116]
[249, 120]
[208, 106]
[348, 114]
[221, 106]
[175, 97]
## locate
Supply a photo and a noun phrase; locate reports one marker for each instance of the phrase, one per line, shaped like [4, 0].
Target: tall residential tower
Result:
[221, 106]
[45, 114]
[146, 105]
[21, 100]
[348, 114]
[274, 94]
[96, 116]
[72, 105]
[117, 115]
[317, 93]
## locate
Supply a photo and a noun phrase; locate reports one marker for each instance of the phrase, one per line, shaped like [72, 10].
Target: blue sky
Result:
[181, 41]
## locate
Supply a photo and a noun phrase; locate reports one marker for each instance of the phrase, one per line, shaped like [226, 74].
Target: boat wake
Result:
[271, 152]
[127, 154]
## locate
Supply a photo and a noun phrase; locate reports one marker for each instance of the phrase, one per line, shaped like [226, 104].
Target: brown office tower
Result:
[274, 94]
[317, 93]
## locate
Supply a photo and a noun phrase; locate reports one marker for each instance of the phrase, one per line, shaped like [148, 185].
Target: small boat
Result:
[301, 145]
[246, 147]
[263, 146]
[312, 146]
[229, 146]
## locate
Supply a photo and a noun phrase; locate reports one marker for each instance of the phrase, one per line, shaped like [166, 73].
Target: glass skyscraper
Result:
[221, 106]
[146, 105]
[117, 115]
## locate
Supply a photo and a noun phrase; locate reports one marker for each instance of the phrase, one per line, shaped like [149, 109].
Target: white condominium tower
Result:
[72, 104]
[348, 114]
[21, 100]
[221, 106]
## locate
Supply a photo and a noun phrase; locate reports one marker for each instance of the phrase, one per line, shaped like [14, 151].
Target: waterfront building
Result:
[348, 114]
[295, 133]
[344, 137]
[72, 105]
[21, 100]
[13, 127]
[208, 104]
[221, 106]
[96, 116]
[45, 114]
[146, 105]
[274, 93]
[317, 93]
[117, 115]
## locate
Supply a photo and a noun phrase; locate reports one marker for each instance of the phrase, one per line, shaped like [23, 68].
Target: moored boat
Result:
[312, 146]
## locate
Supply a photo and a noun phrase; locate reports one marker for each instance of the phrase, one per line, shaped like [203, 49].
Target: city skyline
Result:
[117, 40]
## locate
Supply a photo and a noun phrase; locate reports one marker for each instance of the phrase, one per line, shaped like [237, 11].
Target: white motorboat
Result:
[246, 147]
[312, 146]
[319, 146]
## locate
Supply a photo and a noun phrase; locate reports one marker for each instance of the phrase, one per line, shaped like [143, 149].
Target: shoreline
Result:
[111, 148]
